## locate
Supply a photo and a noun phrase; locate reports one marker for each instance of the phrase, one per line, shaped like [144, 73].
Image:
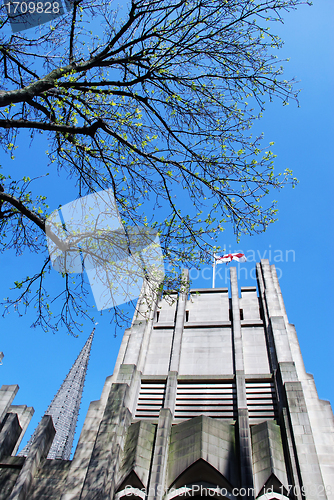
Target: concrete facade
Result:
[209, 397]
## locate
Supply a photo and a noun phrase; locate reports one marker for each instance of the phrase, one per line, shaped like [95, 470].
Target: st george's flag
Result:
[228, 257]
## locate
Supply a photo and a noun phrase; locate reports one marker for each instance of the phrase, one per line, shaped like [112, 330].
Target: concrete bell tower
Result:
[209, 397]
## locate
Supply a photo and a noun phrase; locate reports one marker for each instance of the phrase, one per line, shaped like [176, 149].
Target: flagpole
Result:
[214, 272]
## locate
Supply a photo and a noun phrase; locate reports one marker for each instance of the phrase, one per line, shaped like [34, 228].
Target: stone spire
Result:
[64, 408]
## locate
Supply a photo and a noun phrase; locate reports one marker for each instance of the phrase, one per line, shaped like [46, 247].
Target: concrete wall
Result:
[159, 351]
[206, 351]
[255, 350]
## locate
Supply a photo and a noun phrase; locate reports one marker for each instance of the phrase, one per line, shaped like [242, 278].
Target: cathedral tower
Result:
[209, 397]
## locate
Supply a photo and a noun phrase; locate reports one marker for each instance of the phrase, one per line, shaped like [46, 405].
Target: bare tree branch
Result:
[157, 102]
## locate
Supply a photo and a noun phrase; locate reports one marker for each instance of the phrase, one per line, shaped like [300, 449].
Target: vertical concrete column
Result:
[134, 344]
[141, 327]
[104, 460]
[79, 465]
[272, 302]
[174, 363]
[179, 323]
[237, 341]
[292, 462]
[284, 370]
[87, 442]
[120, 438]
[243, 418]
[277, 327]
[95, 439]
[116, 415]
[138, 340]
[304, 468]
[38, 451]
[144, 304]
[171, 388]
[269, 337]
[24, 414]
[281, 339]
[160, 452]
[279, 293]
[128, 374]
[9, 435]
[7, 394]
[312, 480]
[292, 335]
[152, 305]
[156, 487]
[121, 353]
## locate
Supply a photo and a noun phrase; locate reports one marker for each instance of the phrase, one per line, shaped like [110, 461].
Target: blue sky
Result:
[303, 136]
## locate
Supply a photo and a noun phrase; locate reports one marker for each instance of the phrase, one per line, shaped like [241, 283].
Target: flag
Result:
[228, 257]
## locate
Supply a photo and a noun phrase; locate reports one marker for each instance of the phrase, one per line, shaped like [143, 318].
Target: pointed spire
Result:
[65, 406]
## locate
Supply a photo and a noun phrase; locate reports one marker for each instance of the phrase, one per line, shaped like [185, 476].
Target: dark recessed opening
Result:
[261, 313]
[241, 314]
[187, 316]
